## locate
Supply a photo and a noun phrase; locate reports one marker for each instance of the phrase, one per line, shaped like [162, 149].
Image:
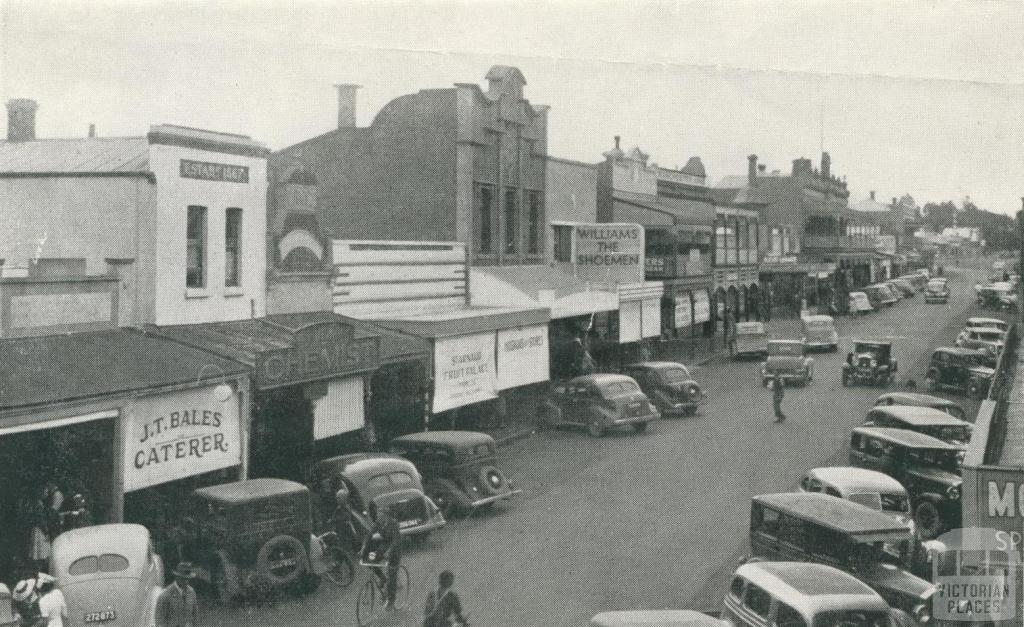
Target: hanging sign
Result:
[701, 307]
[464, 371]
[177, 435]
[684, 311]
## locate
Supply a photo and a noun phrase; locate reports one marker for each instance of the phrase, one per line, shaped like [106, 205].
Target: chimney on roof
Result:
[92, 130]
[826, 165]
[801, 166]
[21, 119]
[347, 104]
[872, 194]
[752, 170]
[761, 168]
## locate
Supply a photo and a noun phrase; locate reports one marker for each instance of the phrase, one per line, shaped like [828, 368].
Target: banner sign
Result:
[608, 245]
[221, 172]
[178, 435]
[701, 307]
[523, 356]
[684, 311]
[464, 371]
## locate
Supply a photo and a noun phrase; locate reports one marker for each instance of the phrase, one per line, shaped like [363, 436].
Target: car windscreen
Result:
[675, 375]
[781, 348]
[957, 433]
[868, 499]
[105, 563]
[895, 503]
[852, 618]
[819, 325]
[387, 480]
[618, 388]
[990, 336]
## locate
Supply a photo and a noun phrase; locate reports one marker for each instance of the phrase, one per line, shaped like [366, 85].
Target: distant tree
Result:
[939, 216]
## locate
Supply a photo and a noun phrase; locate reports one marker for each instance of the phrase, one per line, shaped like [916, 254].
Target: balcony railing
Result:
[838, 242]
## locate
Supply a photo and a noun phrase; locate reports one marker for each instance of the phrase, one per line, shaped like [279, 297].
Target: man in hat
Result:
[26, 601]
[176, 606]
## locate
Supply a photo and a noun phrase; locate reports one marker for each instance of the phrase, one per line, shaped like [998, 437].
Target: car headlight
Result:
[922, 613]
[953, 492]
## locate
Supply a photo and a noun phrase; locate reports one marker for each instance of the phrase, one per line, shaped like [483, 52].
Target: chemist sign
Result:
[178, 435]
[464, 371]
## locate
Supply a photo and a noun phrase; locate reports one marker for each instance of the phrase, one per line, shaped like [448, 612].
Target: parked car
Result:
[906, 288]
[936, 292]
[919, 281]
[109, 574]
[656, 618]
[895, 291]
[990, 340]
[926, 420]
[860, 304]
[458, 469]
[879, 296]
[868, 544]
[870, 362]
[1000, 295]
[961, 369]
[928, 468]
[913, 399]
[788, 359]
[669, 386]
[749, 338]
[249, 531]
[987, 323]
[597, 402]
[389, 481]
[798, 594]
[869, 488]
[820, 332]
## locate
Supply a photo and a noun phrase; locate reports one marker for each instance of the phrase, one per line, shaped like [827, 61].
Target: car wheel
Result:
[443, 498]
[493, 482]
[640, 427]
[974, 390]
[596, 429]
[927, 520]
[282, 560]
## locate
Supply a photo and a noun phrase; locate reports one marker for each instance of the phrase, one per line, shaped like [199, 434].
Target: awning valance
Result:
[554, 288]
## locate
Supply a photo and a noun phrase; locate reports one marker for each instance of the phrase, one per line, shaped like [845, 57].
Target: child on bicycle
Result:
[383, 547]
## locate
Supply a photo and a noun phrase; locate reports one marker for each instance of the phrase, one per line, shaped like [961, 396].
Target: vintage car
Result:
[253, 534]
[655, 618]
[669, 386]
[905, 287]
[987, 323]
[801, 594]
[919, 281]
[961, 369]
[871, 545]
[870, 362]
[820, 333]
[597, 402]
[860, 304]
[913, 399]
[390, 482]
[896, 292]
[928, 468]
[870, 488]
[936, 291]
[749, 338]
[990, 340]
[788, 359]
[109, 575]
[1000, 295]
[926, 420]
[458, 469]
[879, 296]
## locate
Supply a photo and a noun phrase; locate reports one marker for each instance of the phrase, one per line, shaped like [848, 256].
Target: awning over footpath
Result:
[40, 371]
[800, 267]
[466, 320]
[287, 349]
[544, 286]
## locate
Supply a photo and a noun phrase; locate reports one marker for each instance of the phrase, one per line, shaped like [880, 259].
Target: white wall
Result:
[174, 303]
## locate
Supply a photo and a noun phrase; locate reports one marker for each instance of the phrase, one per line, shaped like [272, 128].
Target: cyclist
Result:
[343, 520]
[383, 547]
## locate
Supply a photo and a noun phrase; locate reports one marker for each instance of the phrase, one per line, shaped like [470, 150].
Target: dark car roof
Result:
[602, 378]
[246, 491]
[655, 365]
[919, 416]
[359, 465]
[445, 438]
[915, 398]
[828, 511]
[905, 437]
[963, 352]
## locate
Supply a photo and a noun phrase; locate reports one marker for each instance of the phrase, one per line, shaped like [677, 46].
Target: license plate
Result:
[101, 617]
[285, 563]
[405, 524]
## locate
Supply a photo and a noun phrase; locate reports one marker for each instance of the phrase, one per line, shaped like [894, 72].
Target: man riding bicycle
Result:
[383, 548]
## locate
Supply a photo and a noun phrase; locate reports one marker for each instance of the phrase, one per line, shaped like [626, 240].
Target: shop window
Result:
[563, 242]
[485, 218]
[232, 246]
[511, 220]
[534, 200]
[195, 234]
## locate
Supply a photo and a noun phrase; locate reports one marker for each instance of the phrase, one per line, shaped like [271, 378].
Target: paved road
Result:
[643, 521]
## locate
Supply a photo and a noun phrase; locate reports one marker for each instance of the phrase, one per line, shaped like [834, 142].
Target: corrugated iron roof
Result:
[75, 155]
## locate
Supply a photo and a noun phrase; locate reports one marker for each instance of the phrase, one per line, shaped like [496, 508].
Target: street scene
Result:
[443, 327]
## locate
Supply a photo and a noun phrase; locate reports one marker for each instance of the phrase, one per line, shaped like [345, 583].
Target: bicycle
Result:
[339, 568]
[371, 596]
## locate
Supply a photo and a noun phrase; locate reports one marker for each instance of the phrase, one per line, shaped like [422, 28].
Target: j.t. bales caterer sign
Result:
[319, 351]
[609, 250]
[177, 435]
[207, 171]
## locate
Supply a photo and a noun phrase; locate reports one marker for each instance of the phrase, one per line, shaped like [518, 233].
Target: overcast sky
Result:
[919, 98]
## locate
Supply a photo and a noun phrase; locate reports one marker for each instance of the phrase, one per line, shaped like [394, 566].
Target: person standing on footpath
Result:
[778, 393]
[176, 606]
[443, 608]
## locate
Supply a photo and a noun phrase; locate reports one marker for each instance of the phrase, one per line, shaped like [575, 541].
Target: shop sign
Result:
[885, 244]
[207, 171]
[650, 317]
[780, 259]
[654, 265]
[523, 356]
[319, 351]
[608, 245]
[683, 312]
[172, 436]
[464, 371]
[630, 321]
[701, 307]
